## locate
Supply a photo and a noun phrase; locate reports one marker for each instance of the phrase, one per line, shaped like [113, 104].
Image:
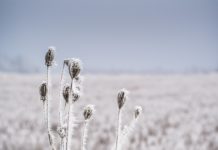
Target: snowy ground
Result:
[180, 111]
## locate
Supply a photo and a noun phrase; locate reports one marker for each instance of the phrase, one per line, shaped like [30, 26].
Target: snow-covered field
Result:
[180, 111]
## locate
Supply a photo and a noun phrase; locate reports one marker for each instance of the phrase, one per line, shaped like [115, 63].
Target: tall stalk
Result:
[48, 106]
[61, 99]
[118, 130]
[88, 113]
[69, 118]
[121, 99]
[129, 130]
[61, 108]
[84, 135]
[74, 67]
[49, 59]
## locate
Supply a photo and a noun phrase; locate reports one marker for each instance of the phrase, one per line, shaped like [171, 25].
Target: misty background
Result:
[110, 36]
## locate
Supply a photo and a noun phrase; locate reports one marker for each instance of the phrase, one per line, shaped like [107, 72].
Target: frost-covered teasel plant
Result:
[69, 94]
[121, 99]
[49, 61]
[88, 114]
[123, 134]
[128, 130]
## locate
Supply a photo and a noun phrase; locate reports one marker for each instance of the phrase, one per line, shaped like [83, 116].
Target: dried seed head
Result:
[78, 83]
[61, 131]
[138, 111]
[121, 97]
[43, 91]
[66, 92]
[49, 57]
[76, 95]
[74, 67]
[78, 79]
[88, 111]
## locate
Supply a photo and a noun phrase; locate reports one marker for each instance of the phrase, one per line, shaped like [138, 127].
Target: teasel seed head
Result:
[61, 131]
[66, 92]
[76, 95]
[121, 97]
[78, 82]
[75, 67]
[43, 91]
[138, 111]
[88, 112]
[49, 56]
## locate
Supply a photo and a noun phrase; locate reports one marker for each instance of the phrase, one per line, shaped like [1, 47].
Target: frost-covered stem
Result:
[118, 130]
[48, 121]
[70, 127]
[61, 103]
[84, 135]
[62, 144]
[127, 132]
[45, 111]
[70, 119]
[61, 106]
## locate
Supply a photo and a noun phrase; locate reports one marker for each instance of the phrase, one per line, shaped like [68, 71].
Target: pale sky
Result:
[110, 35]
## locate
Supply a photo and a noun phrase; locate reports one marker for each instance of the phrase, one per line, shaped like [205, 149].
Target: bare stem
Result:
[68, 136]
[84, 135]
[48, 109]
[61, 109]
[118, 130]
[61, 104]
[62, 145]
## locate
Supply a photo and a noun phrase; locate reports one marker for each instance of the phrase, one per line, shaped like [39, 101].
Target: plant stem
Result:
[61, 105]
[48, 122]
[127, 132]
[62, 145]
[84, 135]
[69, 117]
[118, 129]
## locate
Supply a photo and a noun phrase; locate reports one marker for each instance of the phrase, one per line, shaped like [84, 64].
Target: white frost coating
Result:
[48, 108]
[85, 135]
[71, 125]
[61, 103]
[119, 125]
[71, 119]
[127, 132]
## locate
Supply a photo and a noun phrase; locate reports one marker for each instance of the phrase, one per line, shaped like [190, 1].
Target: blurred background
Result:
[111, 36]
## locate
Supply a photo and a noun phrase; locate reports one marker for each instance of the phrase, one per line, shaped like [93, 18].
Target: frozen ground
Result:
[180, 111]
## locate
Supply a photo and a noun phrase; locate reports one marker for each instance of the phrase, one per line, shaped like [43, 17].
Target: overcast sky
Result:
[111, 35]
